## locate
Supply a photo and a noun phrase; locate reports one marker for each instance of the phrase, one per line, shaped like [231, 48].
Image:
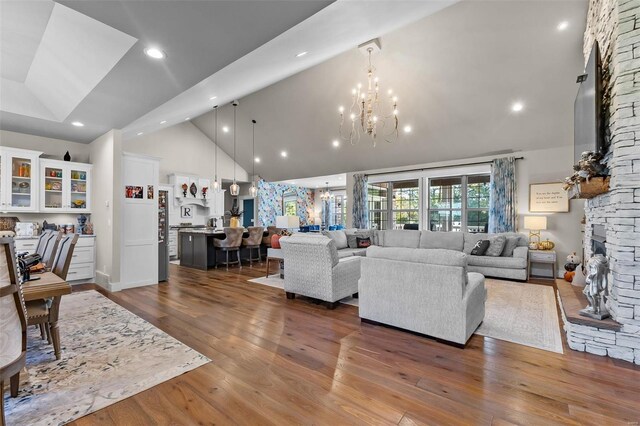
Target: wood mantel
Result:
[573, 300]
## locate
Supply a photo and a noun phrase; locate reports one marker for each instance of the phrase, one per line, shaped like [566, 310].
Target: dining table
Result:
[49, 285]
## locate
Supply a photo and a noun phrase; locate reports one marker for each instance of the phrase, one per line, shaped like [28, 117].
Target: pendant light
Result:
[216, 184]
[253, 191]
[234, 189]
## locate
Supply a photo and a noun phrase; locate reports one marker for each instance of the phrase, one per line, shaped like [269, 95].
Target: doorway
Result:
[247, 212]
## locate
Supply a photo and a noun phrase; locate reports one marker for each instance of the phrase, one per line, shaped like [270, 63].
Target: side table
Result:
[543, 257]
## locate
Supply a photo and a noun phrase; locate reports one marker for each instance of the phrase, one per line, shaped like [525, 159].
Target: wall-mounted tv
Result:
[588, 123]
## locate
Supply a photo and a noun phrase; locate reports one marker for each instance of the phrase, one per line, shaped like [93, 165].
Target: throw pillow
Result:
[363, 242]
[352, 240]
[496, 245]
[275, 241]
[480, 248]
[509, 246]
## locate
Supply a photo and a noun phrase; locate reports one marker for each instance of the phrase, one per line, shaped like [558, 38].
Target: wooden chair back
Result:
[67, 245]
[51, 248]
[43, 241]
[13, 321]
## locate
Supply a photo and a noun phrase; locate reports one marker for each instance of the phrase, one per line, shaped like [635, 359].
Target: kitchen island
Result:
[197, 249]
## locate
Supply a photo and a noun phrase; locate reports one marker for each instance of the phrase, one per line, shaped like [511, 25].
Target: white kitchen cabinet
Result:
[19, 169]
[83, 259]
[65, 187]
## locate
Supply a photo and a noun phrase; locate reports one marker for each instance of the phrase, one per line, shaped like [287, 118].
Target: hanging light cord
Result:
[254, 150]
[215, 161]
[234, 141]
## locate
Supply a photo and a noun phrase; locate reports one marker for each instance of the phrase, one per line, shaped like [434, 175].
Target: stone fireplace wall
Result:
[615, 24]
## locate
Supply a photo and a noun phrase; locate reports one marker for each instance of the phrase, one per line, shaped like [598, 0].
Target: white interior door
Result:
[139, 254]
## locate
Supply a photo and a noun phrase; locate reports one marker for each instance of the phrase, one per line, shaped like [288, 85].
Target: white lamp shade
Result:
[535, 223]
[287, 222]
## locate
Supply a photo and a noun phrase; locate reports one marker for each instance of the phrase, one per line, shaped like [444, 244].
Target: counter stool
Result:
[231, 242]
[253, 242]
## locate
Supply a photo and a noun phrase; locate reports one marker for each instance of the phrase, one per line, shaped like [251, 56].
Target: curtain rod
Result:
[436, 167]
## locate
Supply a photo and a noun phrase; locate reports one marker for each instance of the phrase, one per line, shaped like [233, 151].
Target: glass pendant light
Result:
[216, 184]
[253, 191]
[234, 189]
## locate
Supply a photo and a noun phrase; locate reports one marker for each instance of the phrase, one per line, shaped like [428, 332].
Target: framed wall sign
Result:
[548, 198]
[186, 212]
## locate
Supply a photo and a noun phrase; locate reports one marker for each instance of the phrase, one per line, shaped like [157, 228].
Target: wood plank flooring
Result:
[278, 362]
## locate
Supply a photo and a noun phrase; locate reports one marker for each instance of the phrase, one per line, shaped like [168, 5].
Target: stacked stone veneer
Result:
[616, 26]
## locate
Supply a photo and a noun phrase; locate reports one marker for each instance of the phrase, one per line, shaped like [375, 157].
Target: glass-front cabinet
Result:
[18, 180]
[65, 187]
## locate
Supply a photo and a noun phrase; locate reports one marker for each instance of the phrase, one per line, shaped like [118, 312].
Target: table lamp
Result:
[535, 224]
[287, 222]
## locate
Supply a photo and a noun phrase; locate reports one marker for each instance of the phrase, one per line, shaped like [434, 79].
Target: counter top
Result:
[36, 237]
[206, 231]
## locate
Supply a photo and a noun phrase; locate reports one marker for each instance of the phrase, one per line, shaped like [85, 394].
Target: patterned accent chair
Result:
[231, 242]
[253, 241]
[13, 324]
[314, 270]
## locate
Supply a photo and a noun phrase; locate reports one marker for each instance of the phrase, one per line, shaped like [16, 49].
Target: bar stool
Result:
[231, 242]
[253, 242]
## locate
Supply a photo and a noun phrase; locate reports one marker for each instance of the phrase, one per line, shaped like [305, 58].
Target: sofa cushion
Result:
[497, 262]
[442, 240]
[351, 252]
[430, 256]
[496, 245]
[338, 237]
[401, 238]
[509, 246]
[470, 241]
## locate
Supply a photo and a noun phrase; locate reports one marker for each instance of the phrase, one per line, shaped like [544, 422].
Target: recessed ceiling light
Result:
[225, 129]
[155, 53]
[293, 182]
[77, 124]
[187, 119]
[283, 154]
[407, 129]
[257, 159]
[301, 54]
[140, 133]
[163, 121]
[517, 107]
[212, 98]
[336, 143]
[563, 25]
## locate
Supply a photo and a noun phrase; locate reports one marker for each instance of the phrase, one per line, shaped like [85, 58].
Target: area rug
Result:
[522, 313]
[515, 312]
[277, 282]
[108, 354]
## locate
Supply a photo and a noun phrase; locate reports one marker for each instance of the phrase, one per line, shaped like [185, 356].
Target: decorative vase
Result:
[234, 222]
[67, 156]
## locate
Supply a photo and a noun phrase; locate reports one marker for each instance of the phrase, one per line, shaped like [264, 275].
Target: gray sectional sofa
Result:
[512, 263]
[428, 291]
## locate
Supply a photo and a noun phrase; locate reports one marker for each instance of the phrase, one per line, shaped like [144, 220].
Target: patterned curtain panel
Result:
[327, 220]
[360, 207]
[502, 197]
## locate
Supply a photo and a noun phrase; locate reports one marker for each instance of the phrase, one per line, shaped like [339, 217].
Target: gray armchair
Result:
[314, 270]
[231, 242]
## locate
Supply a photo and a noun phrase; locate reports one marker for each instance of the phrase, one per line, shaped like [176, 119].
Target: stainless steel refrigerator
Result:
[163, 236]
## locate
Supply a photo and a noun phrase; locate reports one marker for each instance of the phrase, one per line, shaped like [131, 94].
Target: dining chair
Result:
[46, 311]
[51, 248]
[253, 241]
[13, 324]
[231, 242]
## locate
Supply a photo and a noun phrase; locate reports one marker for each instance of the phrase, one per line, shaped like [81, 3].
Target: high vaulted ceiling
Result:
[83, 60]
[457, 74]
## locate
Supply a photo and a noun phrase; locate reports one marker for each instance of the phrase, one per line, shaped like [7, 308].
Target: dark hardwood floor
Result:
[278, 361]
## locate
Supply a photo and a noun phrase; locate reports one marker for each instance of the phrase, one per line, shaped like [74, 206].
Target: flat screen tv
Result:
[588, 125]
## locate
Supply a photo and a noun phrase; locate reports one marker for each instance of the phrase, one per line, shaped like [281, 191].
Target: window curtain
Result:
[502, 195]
[327, 219]
[360, 208]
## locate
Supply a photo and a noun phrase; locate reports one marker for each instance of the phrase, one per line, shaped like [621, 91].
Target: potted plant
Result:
[235, 214]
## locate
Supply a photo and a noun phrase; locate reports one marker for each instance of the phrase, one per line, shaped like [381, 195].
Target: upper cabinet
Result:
[65, 187]
[18, 180]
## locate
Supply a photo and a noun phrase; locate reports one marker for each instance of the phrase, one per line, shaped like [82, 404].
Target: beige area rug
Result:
[108, 354]
[516, 312]
[277, 282]
[522, 313]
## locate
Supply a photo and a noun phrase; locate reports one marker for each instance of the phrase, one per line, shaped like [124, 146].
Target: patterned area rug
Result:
[108, 354]
[516, 312]
[522, 313]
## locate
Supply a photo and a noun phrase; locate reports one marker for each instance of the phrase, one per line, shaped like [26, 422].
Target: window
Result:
[459, 203]
[339, 207]
[394, 204]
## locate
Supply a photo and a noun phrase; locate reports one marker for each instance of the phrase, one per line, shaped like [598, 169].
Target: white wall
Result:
[52, 148]
[183, 148]
[105, 155]
[538, 166]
